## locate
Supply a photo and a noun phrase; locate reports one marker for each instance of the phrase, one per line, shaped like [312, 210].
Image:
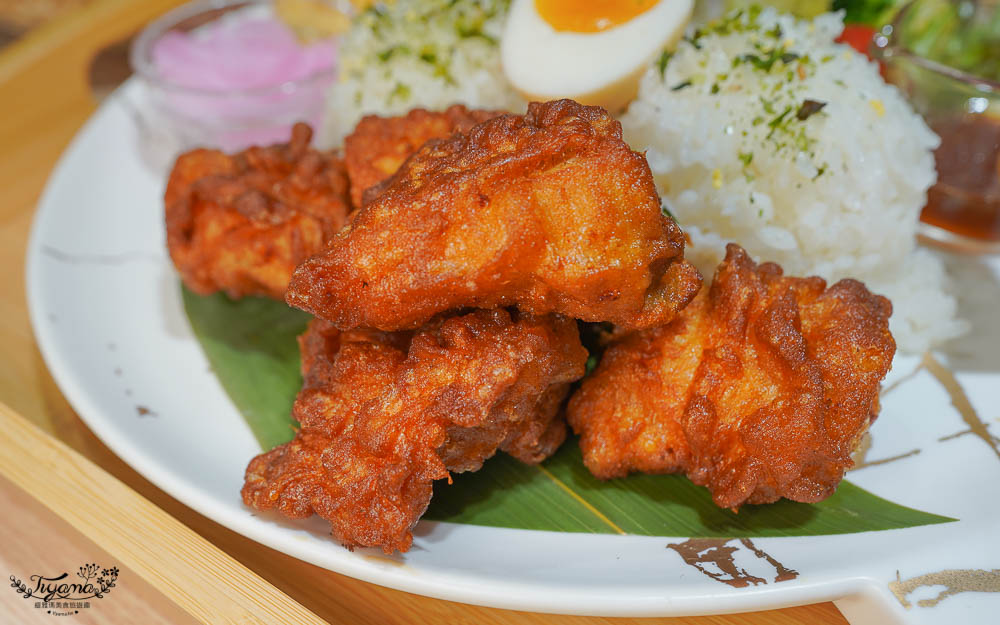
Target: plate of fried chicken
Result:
[454, 264]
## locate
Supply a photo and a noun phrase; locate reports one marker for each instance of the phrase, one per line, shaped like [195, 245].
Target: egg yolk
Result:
[590, 16]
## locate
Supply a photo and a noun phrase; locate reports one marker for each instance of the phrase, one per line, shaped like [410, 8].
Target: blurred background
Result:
[19, 16]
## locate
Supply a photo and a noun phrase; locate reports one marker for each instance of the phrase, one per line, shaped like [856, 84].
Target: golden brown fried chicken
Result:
[760, 389]
[241, 223]
[384, 415]
[550, 212]
[379, 145]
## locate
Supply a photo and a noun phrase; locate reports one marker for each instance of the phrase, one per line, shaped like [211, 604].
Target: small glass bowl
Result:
[963, 208]
[174, 117]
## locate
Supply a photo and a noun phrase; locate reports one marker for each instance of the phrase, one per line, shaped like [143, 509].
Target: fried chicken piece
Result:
[241, 223]
[379, 145]
[549, 211]
[760, 389]
[383, 415]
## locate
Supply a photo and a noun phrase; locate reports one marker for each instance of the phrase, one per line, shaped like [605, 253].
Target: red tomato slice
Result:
[859, 37]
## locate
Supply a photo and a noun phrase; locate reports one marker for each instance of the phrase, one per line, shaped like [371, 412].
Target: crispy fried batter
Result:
[384, 415]
[379, 145]
[550, 212]
[759, 390]
[241, 223]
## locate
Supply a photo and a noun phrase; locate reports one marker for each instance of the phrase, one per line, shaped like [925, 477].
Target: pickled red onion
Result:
[234, 54]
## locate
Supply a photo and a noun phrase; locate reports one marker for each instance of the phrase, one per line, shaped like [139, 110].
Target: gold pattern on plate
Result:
[955, 581]
[960, 400]
[903, 379]
[874, 463]
[860, 455]
[715, 558]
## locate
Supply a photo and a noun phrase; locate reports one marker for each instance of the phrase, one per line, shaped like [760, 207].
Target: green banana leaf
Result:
[251, 346]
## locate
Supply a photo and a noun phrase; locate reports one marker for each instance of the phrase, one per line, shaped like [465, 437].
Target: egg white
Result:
[600, 68]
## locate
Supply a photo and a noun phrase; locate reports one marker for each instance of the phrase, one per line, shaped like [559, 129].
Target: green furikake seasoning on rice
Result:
[420, 53]
[760, 129]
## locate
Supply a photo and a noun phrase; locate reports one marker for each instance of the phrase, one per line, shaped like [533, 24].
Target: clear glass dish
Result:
[175, 117]
[962, 107]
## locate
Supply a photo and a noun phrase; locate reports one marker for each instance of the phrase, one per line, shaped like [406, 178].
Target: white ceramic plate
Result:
[106, 309]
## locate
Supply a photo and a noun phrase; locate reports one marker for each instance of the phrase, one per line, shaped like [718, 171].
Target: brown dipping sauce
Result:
[966, 198]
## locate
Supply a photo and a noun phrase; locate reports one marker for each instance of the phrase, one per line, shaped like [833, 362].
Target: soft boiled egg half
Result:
[593, 51]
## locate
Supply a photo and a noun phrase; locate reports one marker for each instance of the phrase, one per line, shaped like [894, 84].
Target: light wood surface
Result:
[138, 534]
[65, 550]
[44, 99]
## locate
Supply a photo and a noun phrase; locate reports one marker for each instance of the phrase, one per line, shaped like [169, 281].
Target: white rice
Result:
[420, 53]
[836, 194]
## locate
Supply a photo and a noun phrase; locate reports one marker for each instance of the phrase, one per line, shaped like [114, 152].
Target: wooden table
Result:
[44, 98]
